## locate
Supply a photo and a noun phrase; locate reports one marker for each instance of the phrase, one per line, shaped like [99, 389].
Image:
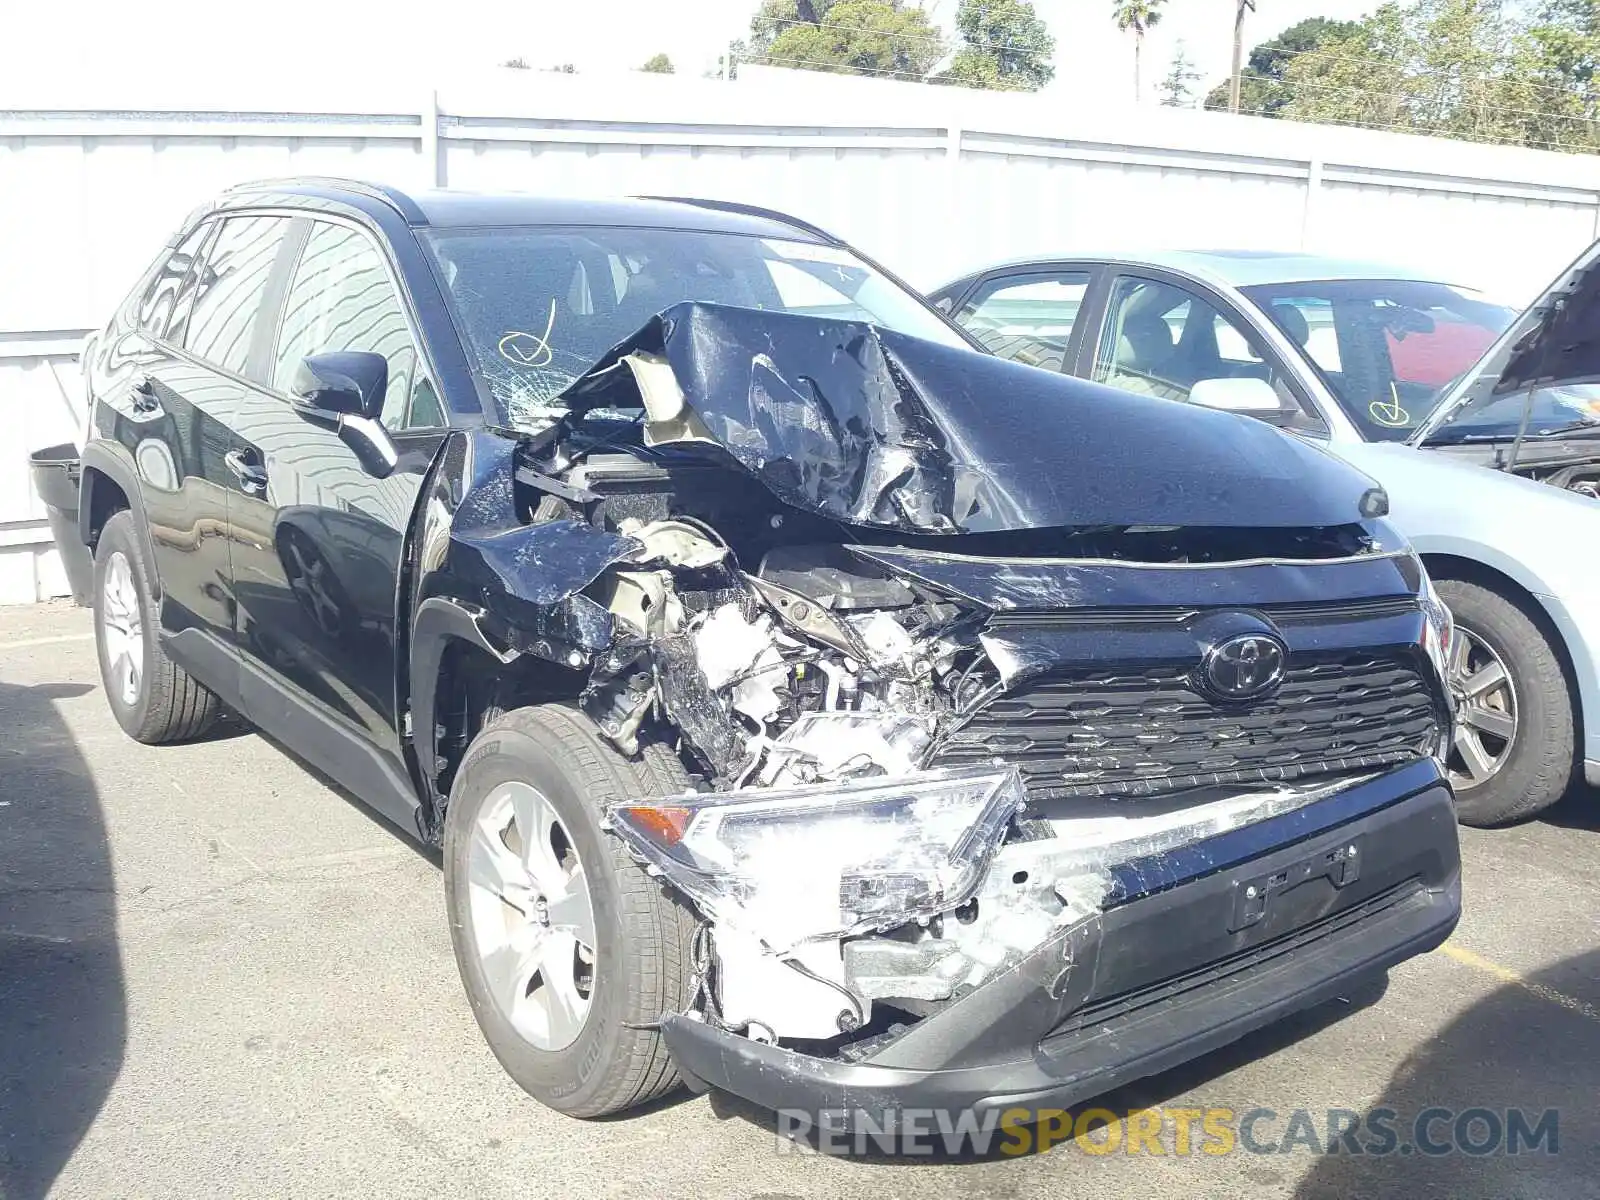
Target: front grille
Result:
[1145, 731]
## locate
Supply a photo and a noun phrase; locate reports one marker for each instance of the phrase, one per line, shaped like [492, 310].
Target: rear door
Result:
[319, 538]
[166, 417]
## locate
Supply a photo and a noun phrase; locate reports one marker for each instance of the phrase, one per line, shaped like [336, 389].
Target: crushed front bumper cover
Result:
[1195, 948]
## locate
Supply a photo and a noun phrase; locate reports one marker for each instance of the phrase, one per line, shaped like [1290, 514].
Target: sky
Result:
[100, 36]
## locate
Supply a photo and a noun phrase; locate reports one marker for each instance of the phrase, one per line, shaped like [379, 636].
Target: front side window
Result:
[164, 306]
[1388, 349]
[539, 306]
[342, 298]
[231, 288]
[1164, 340]
[1027, 318]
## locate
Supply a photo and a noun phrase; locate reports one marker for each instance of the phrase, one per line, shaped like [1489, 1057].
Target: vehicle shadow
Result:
[1578, 809]
[1532, 1045]
[63, 1015]
[1155, 1091]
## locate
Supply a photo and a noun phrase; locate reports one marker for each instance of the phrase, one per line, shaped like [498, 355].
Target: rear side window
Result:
[165, 303]
[231, 289]
[342, 298]
[1027, 318]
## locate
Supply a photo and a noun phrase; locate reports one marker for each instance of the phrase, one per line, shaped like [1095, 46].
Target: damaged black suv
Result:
[806, 704]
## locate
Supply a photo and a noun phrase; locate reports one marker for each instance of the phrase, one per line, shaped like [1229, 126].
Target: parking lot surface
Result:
[220, 976]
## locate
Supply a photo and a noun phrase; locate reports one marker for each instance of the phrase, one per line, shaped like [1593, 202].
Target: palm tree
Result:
[1238, 51]
[1139, 16]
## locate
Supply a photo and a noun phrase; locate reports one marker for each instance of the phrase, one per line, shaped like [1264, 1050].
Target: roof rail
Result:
[752, 210]
[382, 192]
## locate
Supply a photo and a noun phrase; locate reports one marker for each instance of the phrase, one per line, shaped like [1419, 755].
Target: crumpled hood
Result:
[1554, 343]
[875, 428]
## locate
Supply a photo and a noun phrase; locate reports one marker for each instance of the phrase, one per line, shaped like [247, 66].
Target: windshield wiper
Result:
[1437, 438]
[1591, 427]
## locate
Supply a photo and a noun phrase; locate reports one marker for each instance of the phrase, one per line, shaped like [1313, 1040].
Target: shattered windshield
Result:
[540, 305]
[1388, 349]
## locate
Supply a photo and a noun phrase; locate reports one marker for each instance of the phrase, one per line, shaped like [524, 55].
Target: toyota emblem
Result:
[1245, 667]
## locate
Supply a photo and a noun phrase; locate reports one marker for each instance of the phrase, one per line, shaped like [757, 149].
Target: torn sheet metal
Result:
[693, 706]
[875, 428]
[544, 563]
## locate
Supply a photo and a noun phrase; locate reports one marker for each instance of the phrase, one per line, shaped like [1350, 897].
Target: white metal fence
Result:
[929, 180]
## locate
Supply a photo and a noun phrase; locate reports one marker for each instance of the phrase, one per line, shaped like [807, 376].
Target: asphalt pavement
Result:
[219, 976]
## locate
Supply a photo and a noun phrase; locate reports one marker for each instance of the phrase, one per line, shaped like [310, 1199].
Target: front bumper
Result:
[1185, 959]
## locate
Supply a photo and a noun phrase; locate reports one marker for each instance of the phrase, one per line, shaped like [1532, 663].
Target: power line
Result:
[933, 38]
[844, 68]
[1481, 108]
[1396, 64]
[1482, 105]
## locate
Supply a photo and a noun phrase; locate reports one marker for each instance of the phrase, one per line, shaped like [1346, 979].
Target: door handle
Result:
[252, 476]
[144, 395]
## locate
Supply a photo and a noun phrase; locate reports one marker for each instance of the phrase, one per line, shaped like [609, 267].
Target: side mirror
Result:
[344, 390]
[342, 383]
[1252, 397]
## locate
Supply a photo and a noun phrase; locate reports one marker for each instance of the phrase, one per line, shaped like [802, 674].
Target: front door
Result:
[319, 539]
[1163, 337]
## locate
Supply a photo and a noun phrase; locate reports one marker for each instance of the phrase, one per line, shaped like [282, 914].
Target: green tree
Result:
[1177, 86]
[1555, 62]
[1457, 68]
[1004, 45]
[772, 18]
[1137, 17]
[657, 64]
[1261, 82]
[857, 37]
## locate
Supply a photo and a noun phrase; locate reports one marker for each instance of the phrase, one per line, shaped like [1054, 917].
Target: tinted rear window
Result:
[232, 286]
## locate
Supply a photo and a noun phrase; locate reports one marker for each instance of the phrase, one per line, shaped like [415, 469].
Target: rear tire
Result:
[152, 698]
[575, 1044]
[1535, 767]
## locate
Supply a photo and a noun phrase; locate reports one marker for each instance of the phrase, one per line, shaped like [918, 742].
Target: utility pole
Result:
[1238, 52]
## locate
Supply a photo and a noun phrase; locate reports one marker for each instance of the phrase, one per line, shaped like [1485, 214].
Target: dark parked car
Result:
[806, 704]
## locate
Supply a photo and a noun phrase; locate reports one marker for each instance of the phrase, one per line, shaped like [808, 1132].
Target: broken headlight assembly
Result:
[794, 865]
[1438, 635]
[1438, 642]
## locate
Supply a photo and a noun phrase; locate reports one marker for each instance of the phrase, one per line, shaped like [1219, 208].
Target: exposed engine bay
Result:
[1570, 463]
[826, 617]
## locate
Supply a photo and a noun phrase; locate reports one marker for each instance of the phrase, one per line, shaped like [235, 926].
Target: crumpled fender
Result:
[482, 576]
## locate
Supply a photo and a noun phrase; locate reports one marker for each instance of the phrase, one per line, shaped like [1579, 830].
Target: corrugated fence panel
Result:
[930, 181]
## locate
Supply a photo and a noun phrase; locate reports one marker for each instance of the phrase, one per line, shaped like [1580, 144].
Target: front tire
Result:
[152, 698]
[568, 951]
[1512, 754]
